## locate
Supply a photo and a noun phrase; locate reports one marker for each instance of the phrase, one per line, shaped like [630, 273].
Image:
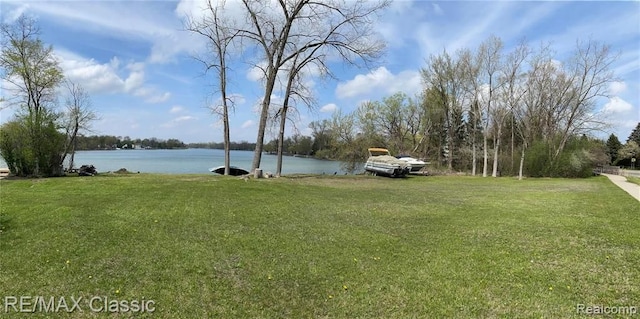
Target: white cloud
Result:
[94, 77]
[247, 124]
[144, 21]
[184, 118]
[622, 115]
[14, 14]
[105, 78]
[237, 99]
[176, 109]
[616, 88]
[178, 120]
[134, 82]
[198, 8]
[256, 73]
[157, 97]
[328, 108]
[172, 44]
[380, 80]
[401, 6]
[617, 105]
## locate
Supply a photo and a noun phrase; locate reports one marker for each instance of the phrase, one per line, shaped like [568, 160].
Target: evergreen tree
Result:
[613, 146]
[635, 135]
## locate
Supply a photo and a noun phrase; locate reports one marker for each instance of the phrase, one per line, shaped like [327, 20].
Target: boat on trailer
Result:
[380, 162]
[233, 170]
[416, 164]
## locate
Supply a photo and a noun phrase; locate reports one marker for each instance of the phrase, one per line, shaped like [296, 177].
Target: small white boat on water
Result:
[381, 162]
[416, 164]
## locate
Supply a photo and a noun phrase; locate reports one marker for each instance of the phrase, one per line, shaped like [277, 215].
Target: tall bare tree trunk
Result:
[283, 121]
[474, 159]
[72, 144]
[512, 145]
[474, 155]
[257, 154]
[225, 120]
[71, 157]
[521, 163]
[496, 150]
[485, 163]
[219, 33]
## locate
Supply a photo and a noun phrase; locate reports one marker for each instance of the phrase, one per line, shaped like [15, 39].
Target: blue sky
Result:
[134, 59]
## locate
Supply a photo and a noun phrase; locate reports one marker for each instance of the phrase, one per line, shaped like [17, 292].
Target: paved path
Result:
[621, 181]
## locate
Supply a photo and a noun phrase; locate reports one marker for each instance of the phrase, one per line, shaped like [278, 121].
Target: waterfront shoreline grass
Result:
[323, 246]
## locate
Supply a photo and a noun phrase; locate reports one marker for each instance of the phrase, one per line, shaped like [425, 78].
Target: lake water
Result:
[194, 161]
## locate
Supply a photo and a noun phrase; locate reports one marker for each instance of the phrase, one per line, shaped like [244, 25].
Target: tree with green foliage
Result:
[392, 119]
[628, 152]
[613, 146]
[300, 145]
[580, 156]
[635, 135]
[442, 77]
[322, 138]
[349, 147]
[34, 74]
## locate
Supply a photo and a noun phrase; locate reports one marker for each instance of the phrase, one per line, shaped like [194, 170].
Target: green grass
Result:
[635, 180]
[323, 247]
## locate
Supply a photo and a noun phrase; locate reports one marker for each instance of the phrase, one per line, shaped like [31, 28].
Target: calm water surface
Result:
[194, 161]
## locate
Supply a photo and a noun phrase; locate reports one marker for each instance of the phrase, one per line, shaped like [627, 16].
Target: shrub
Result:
[579, 156]
[29, 151]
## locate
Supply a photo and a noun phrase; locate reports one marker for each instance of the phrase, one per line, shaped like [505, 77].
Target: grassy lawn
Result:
[322, 247]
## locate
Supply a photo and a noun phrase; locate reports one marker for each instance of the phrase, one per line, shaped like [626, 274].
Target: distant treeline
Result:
[294, 145]
[108, 142]
[236, 146]
[297, 144]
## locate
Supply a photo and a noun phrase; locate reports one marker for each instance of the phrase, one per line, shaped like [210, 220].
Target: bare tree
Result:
[589, 75]
[470, 77]
[489, 57]
[558, 99]
[219, 33]
[509, 95]
[296, 90]
[415, 123]
[79, 116]
[443, 75]
[344, 27]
